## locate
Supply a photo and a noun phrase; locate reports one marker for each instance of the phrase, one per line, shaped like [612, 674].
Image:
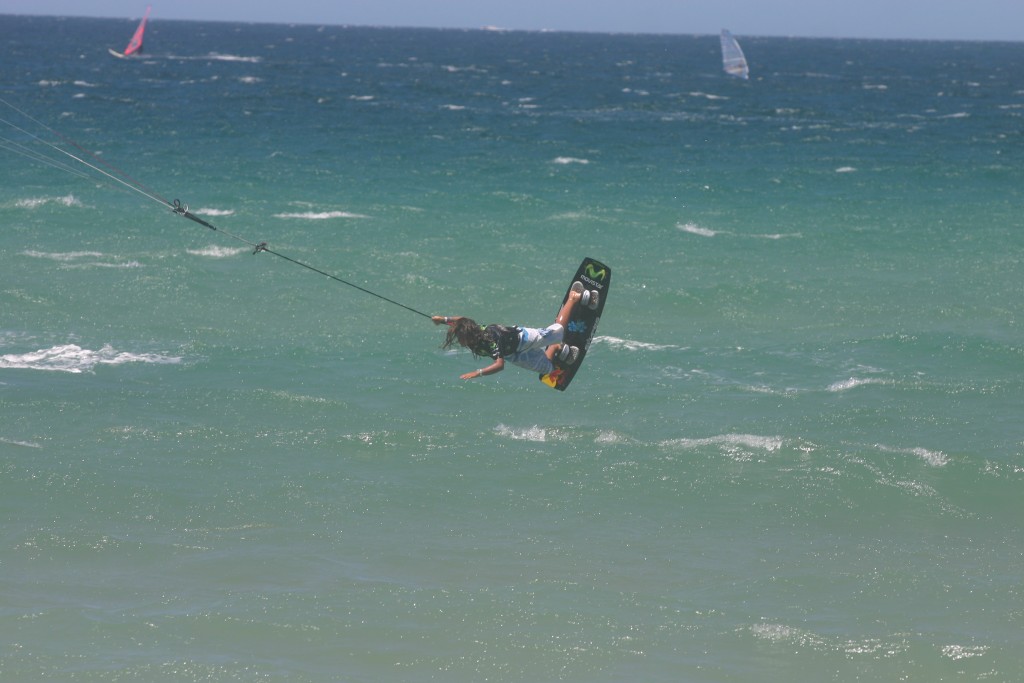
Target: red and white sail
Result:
[135, 44]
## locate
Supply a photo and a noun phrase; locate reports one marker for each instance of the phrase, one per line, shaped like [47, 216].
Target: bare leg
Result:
[563, 320]
[563, 313]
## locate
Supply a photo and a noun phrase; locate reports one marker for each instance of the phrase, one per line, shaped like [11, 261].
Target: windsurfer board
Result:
[583, 320]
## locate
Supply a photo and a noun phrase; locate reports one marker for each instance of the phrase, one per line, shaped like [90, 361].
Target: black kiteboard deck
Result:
[583, 320]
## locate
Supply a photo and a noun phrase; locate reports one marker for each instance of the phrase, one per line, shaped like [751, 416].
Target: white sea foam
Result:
[930, 457]
[775, 632]
[778, 235]
[216, 56]
[633, 345]
[534, 433]
[77, 259]
[610, 436]
[101, 264]
[737, 447]
[853, 383]
[214, 251]
[63, 256]
[707, 96]
[933, 458]
[73, 358]
[781, 633]
[23, 444]
[694, 229]
[570, 160]
[36, 202]
[213, 212]
[319, 215]
[846, 169]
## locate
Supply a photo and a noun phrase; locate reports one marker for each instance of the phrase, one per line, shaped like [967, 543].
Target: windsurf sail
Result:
[733, 60]
[135, 44]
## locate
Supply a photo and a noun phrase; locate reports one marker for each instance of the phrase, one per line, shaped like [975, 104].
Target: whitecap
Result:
[846, 169]
[23, 444]
[36, 202]
[930, 457]
[611, 436]
[214, 251]
[633, 345]
[933, 458]
[852, 383]
[73, 259]
[778, 235]
[534, 433]
[233, 58]
[319, 215]
[694, 229]
[774, 632]
[213, 212]
[707, 96]
[75, 359]
[733, 445]
[63, 256]
[570, 160]
[100, 264]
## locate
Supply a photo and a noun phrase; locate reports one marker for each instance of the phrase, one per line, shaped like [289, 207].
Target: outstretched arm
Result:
[496, 366]
[445, 319]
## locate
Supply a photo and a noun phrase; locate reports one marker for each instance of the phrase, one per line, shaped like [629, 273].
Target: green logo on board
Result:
[595, 273]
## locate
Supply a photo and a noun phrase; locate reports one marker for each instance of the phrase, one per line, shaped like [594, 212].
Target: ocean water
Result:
[795, 452]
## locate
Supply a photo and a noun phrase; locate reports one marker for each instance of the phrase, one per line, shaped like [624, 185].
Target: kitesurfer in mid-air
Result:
[537, 349]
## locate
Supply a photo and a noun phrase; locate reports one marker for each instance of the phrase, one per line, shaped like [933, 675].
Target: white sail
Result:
[733, 60]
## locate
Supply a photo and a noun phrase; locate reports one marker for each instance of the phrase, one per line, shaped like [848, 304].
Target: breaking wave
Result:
[73, 358]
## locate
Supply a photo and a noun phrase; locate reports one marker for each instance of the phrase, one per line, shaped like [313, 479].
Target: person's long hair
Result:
[467, 333]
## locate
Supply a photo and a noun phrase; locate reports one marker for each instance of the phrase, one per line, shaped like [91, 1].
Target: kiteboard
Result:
[583, 320]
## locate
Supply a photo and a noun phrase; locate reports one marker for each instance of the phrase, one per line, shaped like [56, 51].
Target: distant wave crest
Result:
[735, 446]
[633, 345]
[82, 259]
[534, 433]
[216, 56]
[23, 444]
[319, 215]
[930, 457]
[695, 229]
[214, 251]
[36, 202]
[73, 358]
[853, 383]
[701, 231]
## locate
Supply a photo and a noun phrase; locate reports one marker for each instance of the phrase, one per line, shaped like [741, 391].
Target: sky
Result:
[896, 19]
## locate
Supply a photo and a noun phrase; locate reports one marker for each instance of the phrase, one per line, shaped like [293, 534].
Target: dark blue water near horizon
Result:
[794, 451]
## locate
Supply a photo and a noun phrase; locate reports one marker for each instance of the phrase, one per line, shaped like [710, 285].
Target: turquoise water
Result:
[794, 452]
